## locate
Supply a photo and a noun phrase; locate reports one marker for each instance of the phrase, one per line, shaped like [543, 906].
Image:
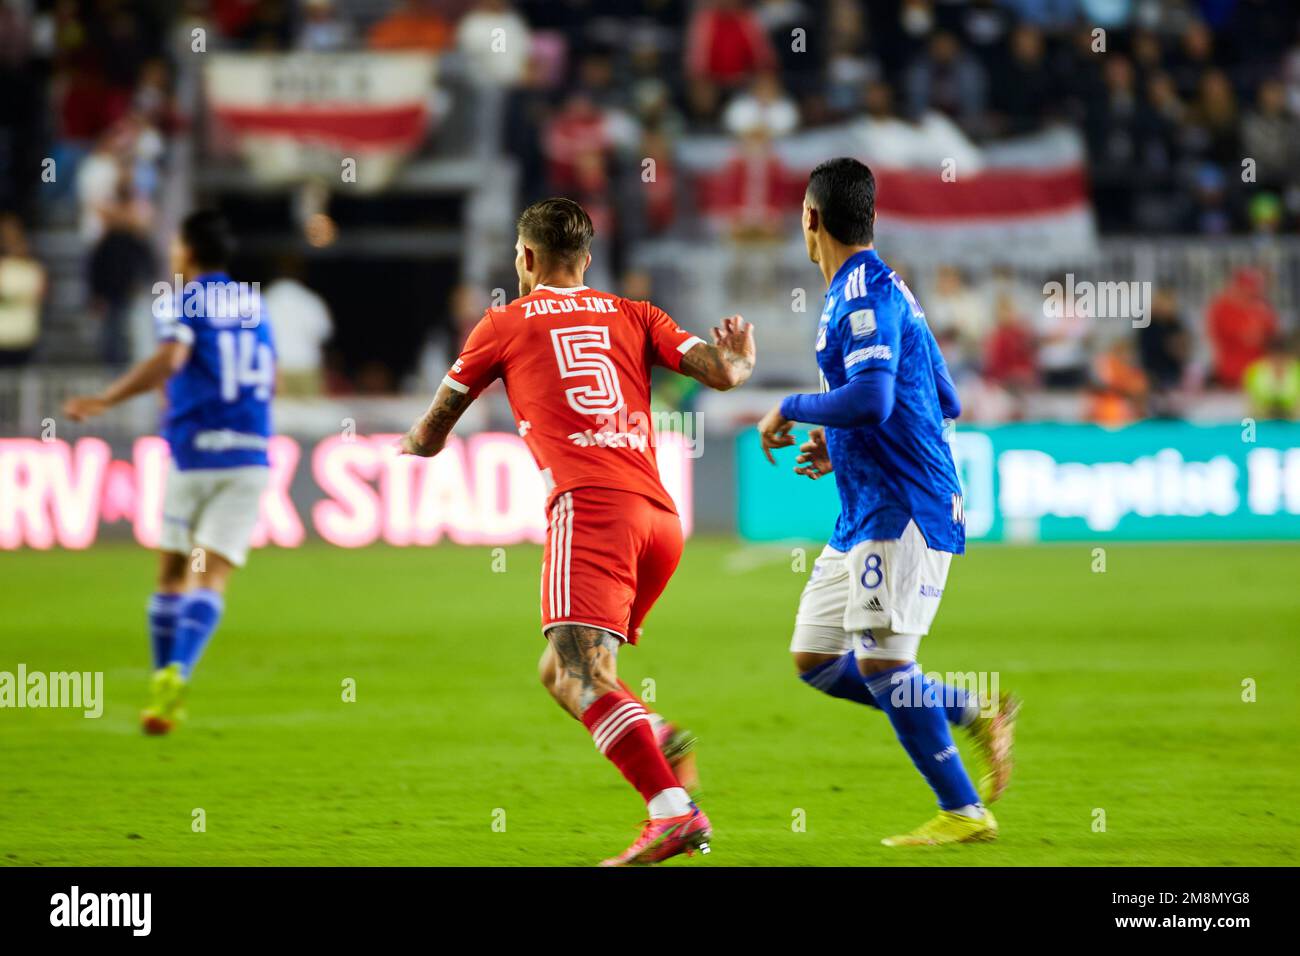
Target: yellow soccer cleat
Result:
[994, 736]
[168, 707]
[949, 827]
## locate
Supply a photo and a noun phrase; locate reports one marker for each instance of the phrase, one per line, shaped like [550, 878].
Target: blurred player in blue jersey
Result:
[875, 589]
[217, 359]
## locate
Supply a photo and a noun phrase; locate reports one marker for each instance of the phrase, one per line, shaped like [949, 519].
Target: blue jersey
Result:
[902, 469]
[219, 404]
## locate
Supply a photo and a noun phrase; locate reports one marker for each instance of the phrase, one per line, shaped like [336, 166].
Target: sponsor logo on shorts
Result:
[929, 590]
[875, 605]
[227, 440]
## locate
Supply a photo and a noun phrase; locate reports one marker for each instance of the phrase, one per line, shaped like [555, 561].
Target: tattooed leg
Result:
[580, 665]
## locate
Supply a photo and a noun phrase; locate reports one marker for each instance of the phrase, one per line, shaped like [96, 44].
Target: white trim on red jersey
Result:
[569, 291]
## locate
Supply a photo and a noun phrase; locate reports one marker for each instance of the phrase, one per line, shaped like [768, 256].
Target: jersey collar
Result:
[550, 288]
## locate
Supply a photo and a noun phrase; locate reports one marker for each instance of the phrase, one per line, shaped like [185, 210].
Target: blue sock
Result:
[840, 678]
[916, 711]
[162, 626]
[959, 705]
[197, 618]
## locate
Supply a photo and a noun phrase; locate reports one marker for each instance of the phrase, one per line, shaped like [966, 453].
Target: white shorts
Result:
[212, 508]
[879, 599]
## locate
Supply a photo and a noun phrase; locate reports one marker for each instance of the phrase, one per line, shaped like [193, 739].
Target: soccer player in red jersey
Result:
[576, 365]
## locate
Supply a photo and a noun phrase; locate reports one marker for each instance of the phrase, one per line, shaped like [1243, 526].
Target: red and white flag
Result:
[1029, 193]
[302, 113]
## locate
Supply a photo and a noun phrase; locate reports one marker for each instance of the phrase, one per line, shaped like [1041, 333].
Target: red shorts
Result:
[609, 555]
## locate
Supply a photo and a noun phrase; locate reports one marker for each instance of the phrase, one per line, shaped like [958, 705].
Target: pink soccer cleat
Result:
[670, 836]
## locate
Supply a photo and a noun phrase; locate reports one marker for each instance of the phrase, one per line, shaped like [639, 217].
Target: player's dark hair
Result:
[558, 228]
[207, 235]
[843, 191]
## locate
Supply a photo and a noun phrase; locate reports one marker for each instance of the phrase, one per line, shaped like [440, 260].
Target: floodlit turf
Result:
[452, 753]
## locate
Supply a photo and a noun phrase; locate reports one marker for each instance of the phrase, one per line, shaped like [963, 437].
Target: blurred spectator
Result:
[725, 43]
[1241, 322]
[125, 154]
[493, 39]
[322, 29]
[22, 290]
[1264, 213]
[493, 42]
[1272, 383]
[1210, 214]
[1023, 88]
[1271, 137]
[1063, 347]
[411, 25]
[950, 80]
[1114, 122]
[1119, 386]
[1163, 348]
[119, 263]
[579, 142]
[1212, 123]
[763, 108]
[301, 323]
[152, 100]
[725, 46]
[1009, 359]
[959, 314]
[1194, 57]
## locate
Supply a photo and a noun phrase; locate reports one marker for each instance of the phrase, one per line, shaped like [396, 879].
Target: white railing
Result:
[698, 283]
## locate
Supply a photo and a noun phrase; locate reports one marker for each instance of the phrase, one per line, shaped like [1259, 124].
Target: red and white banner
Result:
[299, 113]
[938, 194]
[1030, 193]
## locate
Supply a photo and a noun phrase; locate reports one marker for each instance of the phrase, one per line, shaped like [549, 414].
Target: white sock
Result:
[973, 810]
[672, 802]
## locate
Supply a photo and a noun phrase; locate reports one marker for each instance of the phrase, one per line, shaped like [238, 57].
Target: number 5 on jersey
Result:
[580, 352]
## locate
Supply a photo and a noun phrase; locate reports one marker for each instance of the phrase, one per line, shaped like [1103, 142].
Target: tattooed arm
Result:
[726, 363]
[427, 436]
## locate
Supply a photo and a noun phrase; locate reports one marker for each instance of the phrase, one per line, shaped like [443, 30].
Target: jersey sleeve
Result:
[668, 341]
[172, 327]
[479, 362]
[870, 333]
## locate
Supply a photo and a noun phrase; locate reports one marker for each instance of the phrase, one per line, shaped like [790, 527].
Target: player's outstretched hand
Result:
[736, 336]
[82, 407]
[774, 432]
[814, 459]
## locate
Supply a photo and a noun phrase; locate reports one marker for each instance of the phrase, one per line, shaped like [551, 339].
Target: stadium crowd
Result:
[1190, 110]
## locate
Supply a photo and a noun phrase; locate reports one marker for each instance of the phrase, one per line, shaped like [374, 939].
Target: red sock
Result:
[630, 693]
[620, 726]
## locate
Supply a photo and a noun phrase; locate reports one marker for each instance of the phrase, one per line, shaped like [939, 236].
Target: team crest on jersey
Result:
[863, 323]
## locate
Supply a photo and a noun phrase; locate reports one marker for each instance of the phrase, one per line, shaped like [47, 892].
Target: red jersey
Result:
[576, 366]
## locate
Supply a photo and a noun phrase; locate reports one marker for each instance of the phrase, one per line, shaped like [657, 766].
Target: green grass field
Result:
[1132, 681]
